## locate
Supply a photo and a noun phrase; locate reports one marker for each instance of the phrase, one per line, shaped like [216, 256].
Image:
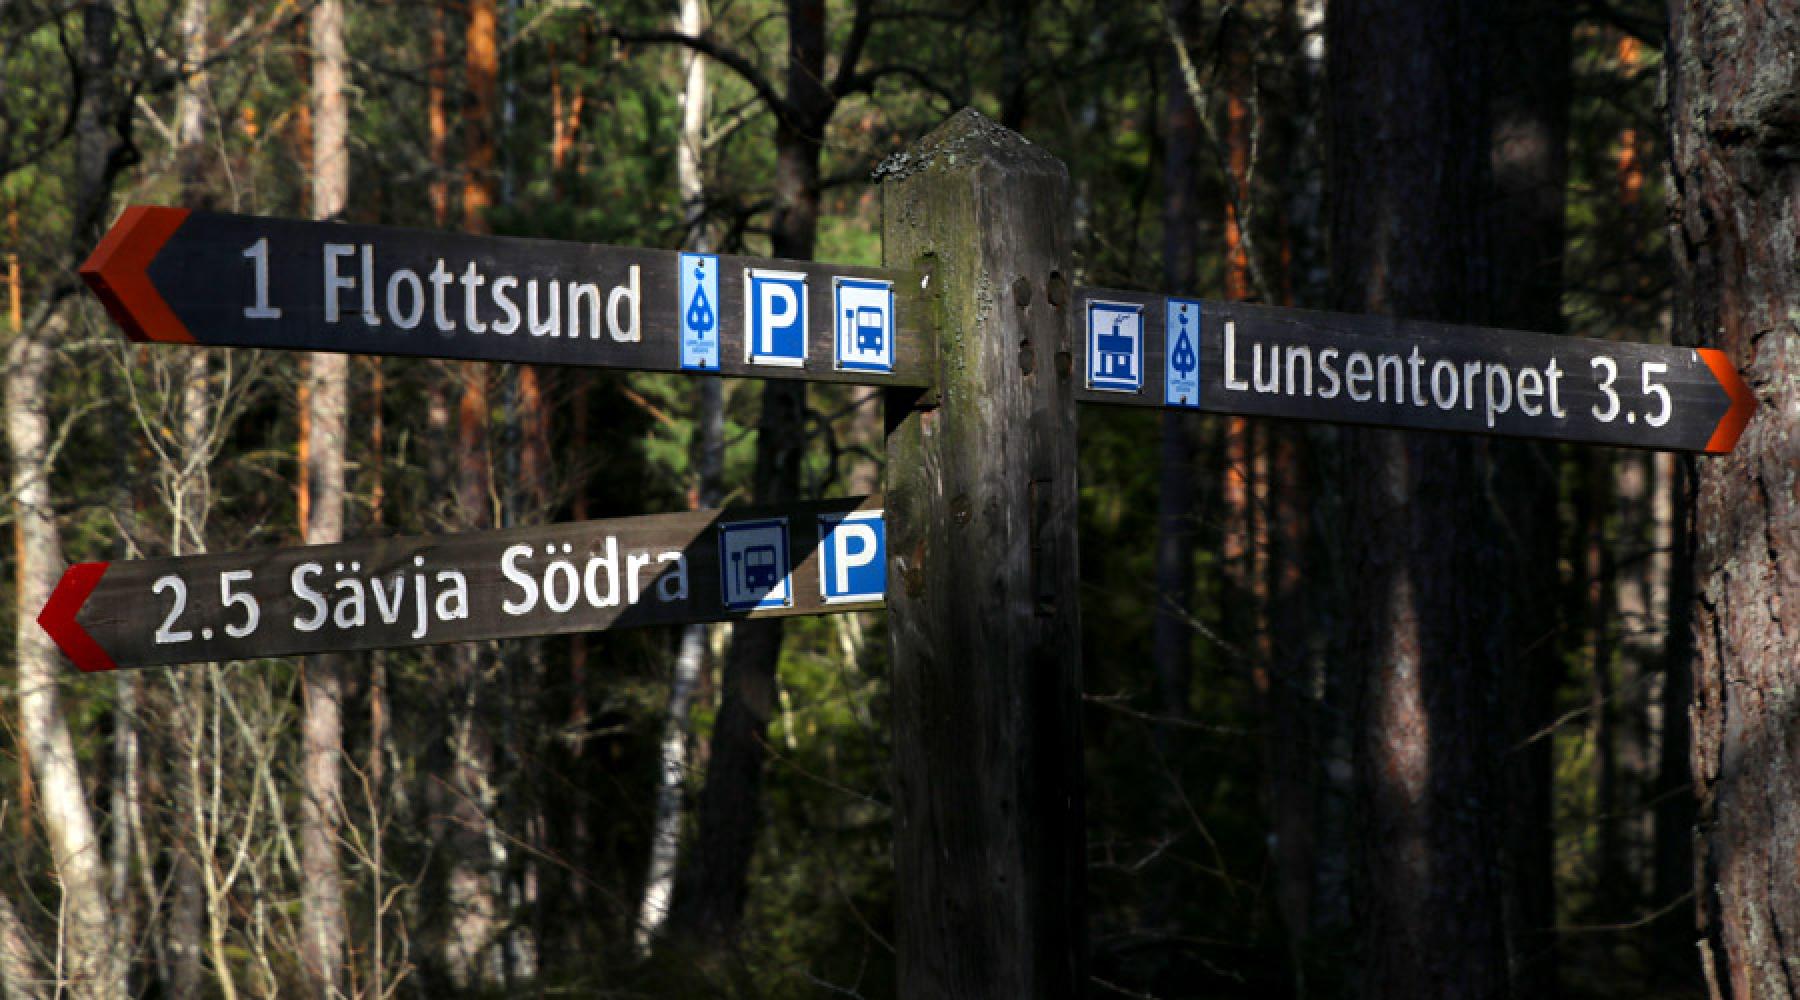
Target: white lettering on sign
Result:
[1490, 388]
[463, 298]
[598, 578]
[344, 604]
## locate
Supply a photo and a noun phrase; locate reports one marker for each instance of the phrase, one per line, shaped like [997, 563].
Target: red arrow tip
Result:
[1743, 402]
[117, 271]
[58, 617]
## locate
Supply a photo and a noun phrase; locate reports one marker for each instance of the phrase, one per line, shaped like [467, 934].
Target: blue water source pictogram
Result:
[1181, 375]
[699, 316]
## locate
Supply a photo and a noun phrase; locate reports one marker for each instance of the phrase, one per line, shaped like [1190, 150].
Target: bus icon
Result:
[753, 565]
[759, 567]
[871, 330]
[864, 340]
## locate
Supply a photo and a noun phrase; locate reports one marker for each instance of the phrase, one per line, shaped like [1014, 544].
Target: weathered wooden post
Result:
[983, 615]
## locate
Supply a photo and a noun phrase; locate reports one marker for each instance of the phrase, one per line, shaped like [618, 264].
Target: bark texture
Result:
[94, 955]
[672, 775]
[1529, 57]
[709, 902]
[1734, 108]
[1408, 156]
[323, 922]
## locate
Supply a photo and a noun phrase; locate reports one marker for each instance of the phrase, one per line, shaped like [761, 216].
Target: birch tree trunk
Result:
[665, 842]
[709, 900]
[1734, 116]
[323, 920]
[94, 959]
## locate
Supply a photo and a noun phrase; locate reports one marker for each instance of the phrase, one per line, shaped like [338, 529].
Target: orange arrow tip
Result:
[118, 273]
[1743, 402]
[58, 617]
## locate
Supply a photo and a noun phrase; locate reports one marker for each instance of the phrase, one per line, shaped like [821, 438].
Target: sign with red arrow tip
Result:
[1232, 357]
[662, 569]
[174, 276]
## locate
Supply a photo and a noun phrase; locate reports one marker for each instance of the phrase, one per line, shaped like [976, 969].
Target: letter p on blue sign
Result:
[853, 557]
[775, 329]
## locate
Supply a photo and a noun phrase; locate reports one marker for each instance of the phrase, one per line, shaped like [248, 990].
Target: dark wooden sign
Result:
[170, 275]
[1156, 350]
[662, 569]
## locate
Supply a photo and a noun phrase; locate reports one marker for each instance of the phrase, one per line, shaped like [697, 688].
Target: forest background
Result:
[706, 811]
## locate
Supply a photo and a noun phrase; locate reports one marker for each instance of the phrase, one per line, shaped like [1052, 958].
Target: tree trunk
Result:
[1734, 113]
[672, 774]
[94, 954]
[323, 920]
[1409, 145]
[20, 977]
[1529, 58]
[712, 889]
[1171, 637]
[473, 949]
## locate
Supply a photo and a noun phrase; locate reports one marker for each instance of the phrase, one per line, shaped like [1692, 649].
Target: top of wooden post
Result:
[970, 138]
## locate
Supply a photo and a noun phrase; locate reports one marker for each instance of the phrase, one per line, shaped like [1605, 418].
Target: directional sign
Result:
[662, 569]
[173, 276]
[1263, 361]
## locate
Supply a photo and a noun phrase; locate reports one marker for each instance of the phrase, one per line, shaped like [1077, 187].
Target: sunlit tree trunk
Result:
[473, 952]
[94, 956]
[1734, 114]
[712, 888]
[323, 918]
[690, 657]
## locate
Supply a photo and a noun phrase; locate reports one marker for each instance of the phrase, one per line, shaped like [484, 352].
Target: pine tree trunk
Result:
[1409, 145]
[323, 920]
[473, 952]
[1171, 637]
[1529, 56]
[1734, 114]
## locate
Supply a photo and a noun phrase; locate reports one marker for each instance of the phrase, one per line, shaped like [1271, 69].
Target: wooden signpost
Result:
[985, 623]
[1155, 350]
[661, 569]
[172, 276]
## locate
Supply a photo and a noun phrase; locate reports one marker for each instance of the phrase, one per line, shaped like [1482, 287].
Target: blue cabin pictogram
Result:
[1115, 338]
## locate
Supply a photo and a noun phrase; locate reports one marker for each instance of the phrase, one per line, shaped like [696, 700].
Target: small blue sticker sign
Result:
[1115, 346]
[775, 317]
[853, 557]
[863, 312]
[753, 563]
[699, 312]
[1181, 374]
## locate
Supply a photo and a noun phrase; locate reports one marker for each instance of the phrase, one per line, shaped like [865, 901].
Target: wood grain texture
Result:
[984, 620]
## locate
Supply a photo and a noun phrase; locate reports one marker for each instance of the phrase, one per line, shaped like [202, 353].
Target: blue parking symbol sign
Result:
[1181, 364]
[1115, 346]
[753, 564]
[863, 312]
[853, 557]
[699, 311]
[775, 317]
